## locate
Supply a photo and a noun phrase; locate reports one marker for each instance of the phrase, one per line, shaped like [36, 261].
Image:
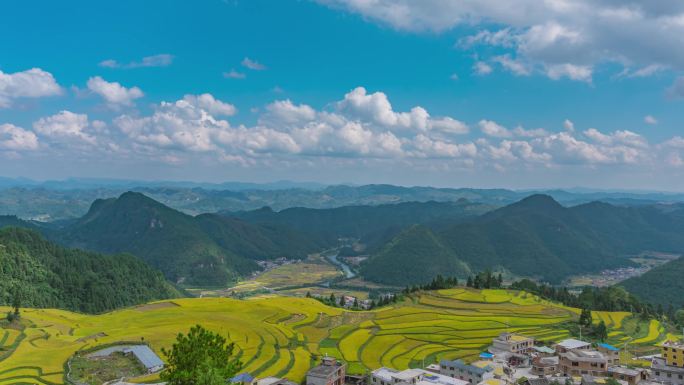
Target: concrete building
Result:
[387, 376]
[664, 373]
[611, 352]
[631, 376]
[473, 374]
[329, 372]
[583, 362]
[242, 379]
[512, 343]
[673, 353]
[544, 365]
[572, 344]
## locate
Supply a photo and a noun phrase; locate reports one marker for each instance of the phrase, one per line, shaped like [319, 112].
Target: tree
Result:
[342, 301]
[201, 357]
[16, 302]
[308, 294]
[601, 331]
[679, 316]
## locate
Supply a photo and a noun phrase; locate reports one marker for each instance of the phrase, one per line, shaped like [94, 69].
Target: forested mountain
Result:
[204, 250]
[43, 274]
[374, 225]
[537, 237]
[396, 263]
[662, 285]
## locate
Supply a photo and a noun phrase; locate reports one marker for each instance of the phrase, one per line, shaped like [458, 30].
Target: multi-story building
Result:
[666, 374]
[329, 372]
[387, 376]
[583, 362]
[544, 365]
[673, 353]
[473, 374]
[572, 344]
[512, 343]
[631, 376]
[611, 352]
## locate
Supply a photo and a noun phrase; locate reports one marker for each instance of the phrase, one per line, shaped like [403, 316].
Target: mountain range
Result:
[408, 243]
[56, 200]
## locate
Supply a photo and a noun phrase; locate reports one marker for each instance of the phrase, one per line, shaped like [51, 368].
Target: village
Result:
[512, 359]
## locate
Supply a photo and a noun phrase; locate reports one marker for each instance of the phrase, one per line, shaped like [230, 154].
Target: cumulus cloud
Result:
[493, 129]
[568, 125]
[67, 126]
[514, 66]
[563, 39]
[114, 93]
[650, 120]
[210, 104]
[162, 60]
[16, 139]
[252, 64]
[33, 83]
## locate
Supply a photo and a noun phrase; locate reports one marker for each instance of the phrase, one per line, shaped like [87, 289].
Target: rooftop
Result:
[624, 370]
[544, 349]
[242, 377]
[673, 344]
[608, 347]
[326, 368]
[426, 378]
[572, 343]
[470, 368]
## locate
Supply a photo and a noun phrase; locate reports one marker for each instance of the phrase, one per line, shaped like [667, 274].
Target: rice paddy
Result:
[284, 336]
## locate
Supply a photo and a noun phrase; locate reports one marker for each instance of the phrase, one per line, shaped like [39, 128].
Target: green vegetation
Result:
[415, 256]
[201, 357]
[536, 237]
[37, 273]
[96, 371]
[207, 250]
[662, 285]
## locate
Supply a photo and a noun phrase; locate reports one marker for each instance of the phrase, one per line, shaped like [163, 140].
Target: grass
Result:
[282, 335]
[95, 371]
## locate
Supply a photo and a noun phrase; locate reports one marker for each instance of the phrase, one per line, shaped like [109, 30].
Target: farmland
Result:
[283, 336]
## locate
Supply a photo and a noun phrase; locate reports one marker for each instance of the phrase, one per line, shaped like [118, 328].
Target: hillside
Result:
[662, 285]
[537, 237]
[415, 255]
[47, 275]
[204, 250]
[277, 336]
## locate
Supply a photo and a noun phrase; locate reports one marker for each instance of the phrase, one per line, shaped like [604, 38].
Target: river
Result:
[348, 272]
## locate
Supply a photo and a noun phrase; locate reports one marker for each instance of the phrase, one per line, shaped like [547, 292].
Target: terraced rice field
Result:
[283, 336]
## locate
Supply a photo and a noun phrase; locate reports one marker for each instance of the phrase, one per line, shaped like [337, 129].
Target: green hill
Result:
[537, 237]
[207, 250]
[47, 275]
[415, 255]
[662, 285]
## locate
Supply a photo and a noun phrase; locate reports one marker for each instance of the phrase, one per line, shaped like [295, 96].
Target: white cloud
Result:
[514, 66]
[651, 120]
[33, 83]
[13, 138]
[493, 129]
[532, 133]
[114, 93]
[252, 64]
[482, 68]
[549, 34]
[568, 125]
[162, 60]
[233, 74]
[570, 71]
[208, 103]
[67, 125]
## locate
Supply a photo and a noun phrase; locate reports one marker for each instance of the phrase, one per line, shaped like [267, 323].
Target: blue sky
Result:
[448, 93]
